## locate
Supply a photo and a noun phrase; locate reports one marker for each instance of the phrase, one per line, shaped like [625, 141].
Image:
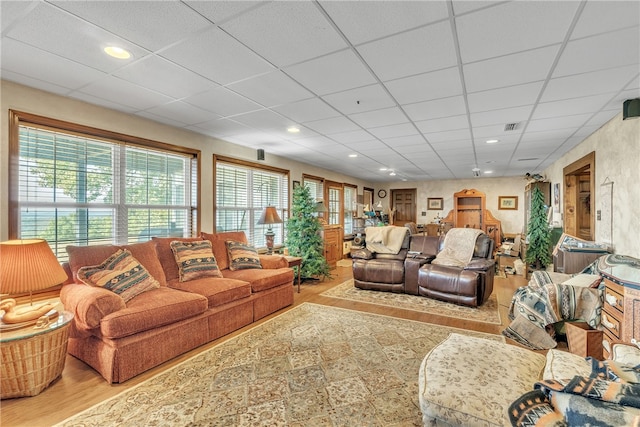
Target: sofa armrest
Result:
[363, 253]
[480, 264]
[89, 304]
[625, 353]
[272, 262]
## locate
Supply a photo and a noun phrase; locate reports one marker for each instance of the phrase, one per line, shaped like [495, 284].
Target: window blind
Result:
[82, 190]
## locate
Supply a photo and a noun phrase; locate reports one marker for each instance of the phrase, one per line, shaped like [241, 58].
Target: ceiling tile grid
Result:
[413, 86]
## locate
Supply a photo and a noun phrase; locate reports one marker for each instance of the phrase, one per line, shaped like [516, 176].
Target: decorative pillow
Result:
[242, 256]
[195, 260]
[120, 273]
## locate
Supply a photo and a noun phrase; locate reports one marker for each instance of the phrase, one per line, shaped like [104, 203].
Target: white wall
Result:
[22, 98]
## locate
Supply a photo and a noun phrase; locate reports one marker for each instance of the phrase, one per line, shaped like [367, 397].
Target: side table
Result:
[295, 261]
[32, 358]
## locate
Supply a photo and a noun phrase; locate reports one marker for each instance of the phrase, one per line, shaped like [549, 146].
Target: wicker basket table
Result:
[32, 358]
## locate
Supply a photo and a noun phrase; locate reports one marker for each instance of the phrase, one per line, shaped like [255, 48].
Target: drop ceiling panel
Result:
[182, 112]
[91, 99]
[150, 24]
[510, 70]
[80, 41]
[443, 124]
[513, 27]
[409, 140]
[352, 136]
[608, 50]
[585, 104]
[332, 125]
[439, 108]
[216, 56]
[332, 73]
[377, 118]
[271, 89]
[286, 33]
[35, 83]
[24, 59]
[512, 96]
[424, 49]
[393, 131]
[502, 116]
[264, 119]
[424, 87]
[220, 11]
[452, 135]
[307, 110]
[359, 100]
[158, 74]
[125, 93]
[598, 17]
[364, 21]
[597, 82]
[222, 102]
[223, 127]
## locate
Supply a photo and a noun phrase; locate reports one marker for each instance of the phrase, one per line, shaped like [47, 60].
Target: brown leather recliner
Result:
[470, 285]
[394, 272]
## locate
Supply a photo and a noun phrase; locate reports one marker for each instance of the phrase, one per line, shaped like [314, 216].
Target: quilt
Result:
[609, 396]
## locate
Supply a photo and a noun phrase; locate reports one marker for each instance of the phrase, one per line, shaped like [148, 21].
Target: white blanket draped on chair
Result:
[459, 244]
[385, 240]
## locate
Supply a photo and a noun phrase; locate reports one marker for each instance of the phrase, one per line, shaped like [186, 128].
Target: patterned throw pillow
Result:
[242, 256]
[120, 273]
[195, 260]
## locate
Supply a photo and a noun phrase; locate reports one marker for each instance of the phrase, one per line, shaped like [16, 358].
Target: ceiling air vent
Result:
[510, 126]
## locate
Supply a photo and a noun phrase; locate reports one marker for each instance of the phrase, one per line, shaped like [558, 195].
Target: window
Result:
[350, 207]
[243, 190]
[334, 203]
[316, 189]
[77, 185]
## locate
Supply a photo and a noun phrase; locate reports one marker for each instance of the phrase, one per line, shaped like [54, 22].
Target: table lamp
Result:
[269, 216]
[25, 266]
[321, 208]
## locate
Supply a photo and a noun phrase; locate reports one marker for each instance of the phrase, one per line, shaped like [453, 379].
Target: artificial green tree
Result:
[538, 232]
[303, 235]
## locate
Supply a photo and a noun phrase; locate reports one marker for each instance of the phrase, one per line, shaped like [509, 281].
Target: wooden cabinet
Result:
[469, 212]
[570, 262]
[332, 236]
[621, 310]
[545, 187]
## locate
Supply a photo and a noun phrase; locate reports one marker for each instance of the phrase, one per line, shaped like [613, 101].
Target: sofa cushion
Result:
[262, 279]
[562, 365]
[120, 273]
[466, 380]
[158, 307]
[218, 291]
[165, 254]
[219, 246]
[80, 256]
[242, 256]
[195, 260]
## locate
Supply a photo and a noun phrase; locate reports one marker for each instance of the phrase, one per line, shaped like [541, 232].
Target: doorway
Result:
[404, 202]
[579, 192]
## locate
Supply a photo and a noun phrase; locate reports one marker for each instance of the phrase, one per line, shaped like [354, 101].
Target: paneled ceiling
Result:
[416, 87]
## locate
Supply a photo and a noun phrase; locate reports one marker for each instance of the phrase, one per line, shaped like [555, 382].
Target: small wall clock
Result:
[382, 194]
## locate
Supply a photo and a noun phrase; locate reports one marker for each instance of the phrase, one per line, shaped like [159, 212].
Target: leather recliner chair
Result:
[470, 285]
[394, 272]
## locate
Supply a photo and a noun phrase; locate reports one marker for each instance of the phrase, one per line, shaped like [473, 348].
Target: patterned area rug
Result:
[310, 366]
[486, 313]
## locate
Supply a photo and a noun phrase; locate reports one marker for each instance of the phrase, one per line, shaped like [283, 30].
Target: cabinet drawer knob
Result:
[613, 301]
[608, 324]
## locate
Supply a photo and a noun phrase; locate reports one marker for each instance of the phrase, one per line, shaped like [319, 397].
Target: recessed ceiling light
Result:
[491, 141]
[392, 173]
[488, 171]
[353, 155]
[117, 52]
[293, 129]
[383, 169]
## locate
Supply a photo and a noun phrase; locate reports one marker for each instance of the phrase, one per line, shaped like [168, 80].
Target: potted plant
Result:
[538, 233]
[303, 235]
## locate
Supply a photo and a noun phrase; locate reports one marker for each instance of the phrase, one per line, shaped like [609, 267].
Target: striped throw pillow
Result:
[195, 260]
[120, 273]
[242, 256]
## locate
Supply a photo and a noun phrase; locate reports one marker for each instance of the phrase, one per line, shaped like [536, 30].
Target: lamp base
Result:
[29, 313]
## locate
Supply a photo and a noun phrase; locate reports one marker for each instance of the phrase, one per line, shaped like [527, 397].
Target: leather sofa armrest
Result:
[411, 271]
[363, 253]
[480, 264]
[272, 262]
[89, 304]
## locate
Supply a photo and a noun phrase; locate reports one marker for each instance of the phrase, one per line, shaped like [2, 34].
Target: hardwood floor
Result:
[80, 387]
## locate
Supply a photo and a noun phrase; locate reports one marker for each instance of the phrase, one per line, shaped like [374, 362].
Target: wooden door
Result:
[579, 189]
[404, 202]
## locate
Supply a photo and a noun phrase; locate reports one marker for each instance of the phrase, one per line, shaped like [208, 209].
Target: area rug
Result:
[313, 365]
[486, 313]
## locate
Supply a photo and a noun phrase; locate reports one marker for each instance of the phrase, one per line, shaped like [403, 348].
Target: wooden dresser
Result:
[621, 314]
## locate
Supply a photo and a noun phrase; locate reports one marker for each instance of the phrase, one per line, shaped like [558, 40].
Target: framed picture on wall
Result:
[434, 203]
[508, 202]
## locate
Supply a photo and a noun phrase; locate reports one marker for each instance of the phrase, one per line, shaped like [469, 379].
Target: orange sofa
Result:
[121, 340]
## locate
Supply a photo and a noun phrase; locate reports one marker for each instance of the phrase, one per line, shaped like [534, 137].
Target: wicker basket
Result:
[30, 365]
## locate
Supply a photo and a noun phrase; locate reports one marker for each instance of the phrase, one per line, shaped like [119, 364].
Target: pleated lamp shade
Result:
[28, 265]
[270, 216]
